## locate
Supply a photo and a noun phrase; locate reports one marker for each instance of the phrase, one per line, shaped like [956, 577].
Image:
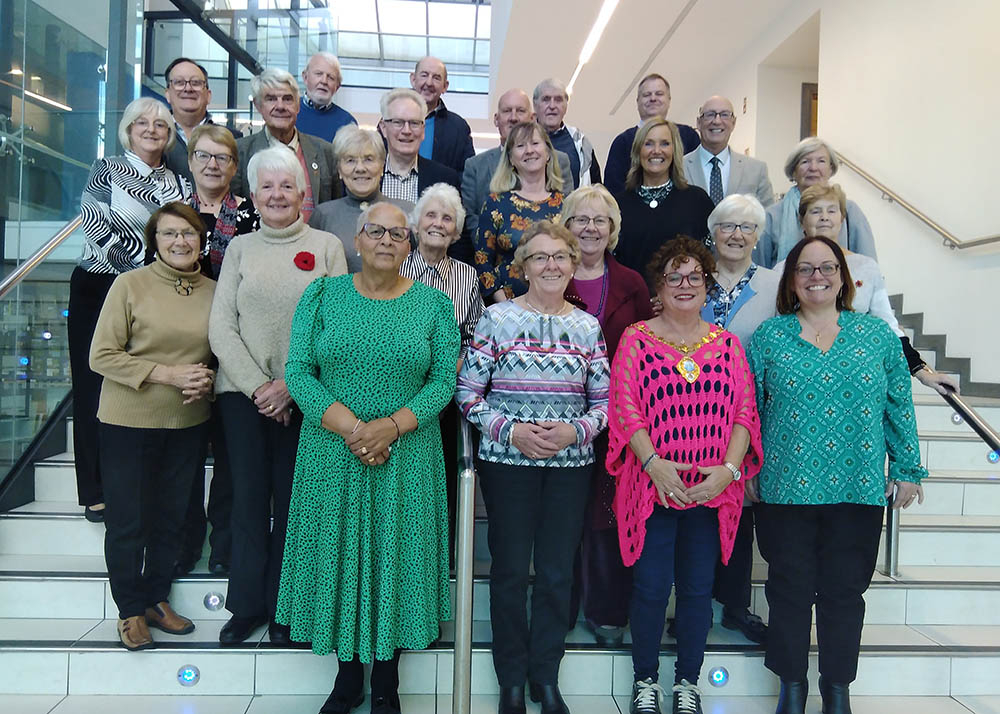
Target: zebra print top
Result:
[122, 192]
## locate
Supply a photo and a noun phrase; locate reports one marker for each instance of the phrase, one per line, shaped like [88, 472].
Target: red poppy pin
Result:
[858, 283]
[305, 261]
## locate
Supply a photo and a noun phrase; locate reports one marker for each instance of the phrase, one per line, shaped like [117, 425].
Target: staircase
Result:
[931, 641]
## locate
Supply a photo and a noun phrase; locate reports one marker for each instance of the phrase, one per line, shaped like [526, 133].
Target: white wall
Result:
[779, 111]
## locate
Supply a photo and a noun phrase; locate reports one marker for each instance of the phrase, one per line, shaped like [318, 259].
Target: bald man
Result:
[717, 168]
[447, 137]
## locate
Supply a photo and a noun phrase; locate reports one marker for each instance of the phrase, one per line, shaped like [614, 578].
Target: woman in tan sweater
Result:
[151, 347]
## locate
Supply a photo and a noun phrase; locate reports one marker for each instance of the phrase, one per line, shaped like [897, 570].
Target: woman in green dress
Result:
[371, 364]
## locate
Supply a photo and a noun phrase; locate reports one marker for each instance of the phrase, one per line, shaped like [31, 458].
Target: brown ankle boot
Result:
[162, 617]
[134, 634]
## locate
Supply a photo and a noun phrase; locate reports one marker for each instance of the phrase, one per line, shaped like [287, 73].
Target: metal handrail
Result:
[461, 701]
[950, 239]
[21, 272]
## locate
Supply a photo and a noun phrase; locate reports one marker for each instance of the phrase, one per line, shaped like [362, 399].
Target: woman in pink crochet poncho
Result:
[684, 438]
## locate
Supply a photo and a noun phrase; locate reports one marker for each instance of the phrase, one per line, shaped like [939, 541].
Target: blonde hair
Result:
[505, 177]
[552, 230]
[595, 193]
[216, 133]
[817, 192]
[634, 178]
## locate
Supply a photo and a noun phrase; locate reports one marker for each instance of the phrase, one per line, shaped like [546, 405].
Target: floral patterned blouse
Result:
[504, 218]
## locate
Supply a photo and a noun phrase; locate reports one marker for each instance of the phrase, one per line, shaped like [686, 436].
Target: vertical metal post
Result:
[461, 701]
[891, 568]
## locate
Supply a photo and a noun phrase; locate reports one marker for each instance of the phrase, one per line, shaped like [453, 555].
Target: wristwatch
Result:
[736, 472]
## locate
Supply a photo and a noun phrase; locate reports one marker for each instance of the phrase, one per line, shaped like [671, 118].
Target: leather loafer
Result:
[511, 700]
[239, 628]
[752, 627]
[606, 635]
[338, 704]
[162, 617]
[93, 516]
[134, 633]
[549, 697]
[836, 697]
[386, 705]
[792, 697]
[279, 634]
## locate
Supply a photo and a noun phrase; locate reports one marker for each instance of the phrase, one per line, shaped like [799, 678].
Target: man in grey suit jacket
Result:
[276, 96]
[513, 107]
[735, 173]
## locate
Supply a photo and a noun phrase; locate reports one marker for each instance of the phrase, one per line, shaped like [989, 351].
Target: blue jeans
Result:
[681, 546]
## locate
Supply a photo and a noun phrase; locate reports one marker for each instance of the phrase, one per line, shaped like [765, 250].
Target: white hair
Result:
[272, 78]
[807, 146]
[141, 107]
[401, 93]
[330, 59]
[275, 158]
[736, 208]
[550, 83]
[365, 214]
[447, 196]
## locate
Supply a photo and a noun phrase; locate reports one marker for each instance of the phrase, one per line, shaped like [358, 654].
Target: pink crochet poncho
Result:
[688, 422]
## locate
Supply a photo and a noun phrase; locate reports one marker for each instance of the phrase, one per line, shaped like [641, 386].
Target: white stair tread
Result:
[948, 574]
[913, 520]
[859, 705]
[61, 508]
[960, 635]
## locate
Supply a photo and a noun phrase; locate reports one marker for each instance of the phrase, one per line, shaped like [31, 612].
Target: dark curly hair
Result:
[677, 251]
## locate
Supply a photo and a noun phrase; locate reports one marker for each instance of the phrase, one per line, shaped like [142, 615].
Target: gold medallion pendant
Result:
[689, 369]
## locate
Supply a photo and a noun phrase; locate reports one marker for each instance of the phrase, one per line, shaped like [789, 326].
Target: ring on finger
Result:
[371, 460]
[364, 449]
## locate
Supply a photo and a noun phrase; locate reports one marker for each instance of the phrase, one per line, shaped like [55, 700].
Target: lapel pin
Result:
[315, 166]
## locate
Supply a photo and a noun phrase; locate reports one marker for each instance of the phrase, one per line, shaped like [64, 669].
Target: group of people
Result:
[658, 363]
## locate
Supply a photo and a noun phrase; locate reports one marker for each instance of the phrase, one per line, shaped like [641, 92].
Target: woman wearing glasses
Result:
[834, 397]
[371, 364]
[683, 433]
[535, 383]
[262, 278]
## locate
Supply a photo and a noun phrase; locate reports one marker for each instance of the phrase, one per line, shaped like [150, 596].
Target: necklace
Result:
[560, 311]
[604, 289]
[821, 330]
[652, 195]
[686, 367]
[183, 286]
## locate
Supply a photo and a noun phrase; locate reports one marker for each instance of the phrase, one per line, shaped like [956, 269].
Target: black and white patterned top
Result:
[455, 279]
[402, 188]
[122, 192]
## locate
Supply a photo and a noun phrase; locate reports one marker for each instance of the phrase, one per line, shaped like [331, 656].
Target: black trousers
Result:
[147, 476]
[220, 504]
[540, 510]
[449, 443]
[262, 457]
[732, 581]
[822, 555]
[87, 292]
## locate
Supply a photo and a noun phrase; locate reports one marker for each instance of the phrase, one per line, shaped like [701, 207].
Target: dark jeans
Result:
[220, 503]
[732, 581]
[822, 555]
[449, 443]
[262, 457]
[536, 509]
[147, 476]
[681, 549]
[87, 292]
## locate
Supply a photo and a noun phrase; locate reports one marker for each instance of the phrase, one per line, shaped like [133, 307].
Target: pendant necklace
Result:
[820, 331]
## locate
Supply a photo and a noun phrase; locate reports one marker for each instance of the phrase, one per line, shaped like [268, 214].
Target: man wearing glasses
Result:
[718, 169]
[188, 94]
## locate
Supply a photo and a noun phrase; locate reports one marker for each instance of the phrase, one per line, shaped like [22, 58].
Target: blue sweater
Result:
[322, 124]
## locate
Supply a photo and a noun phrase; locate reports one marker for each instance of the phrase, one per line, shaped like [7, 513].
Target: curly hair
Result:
[674, 253]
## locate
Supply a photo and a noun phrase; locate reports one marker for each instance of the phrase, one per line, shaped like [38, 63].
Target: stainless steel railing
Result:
[461, 701]
[20, 272]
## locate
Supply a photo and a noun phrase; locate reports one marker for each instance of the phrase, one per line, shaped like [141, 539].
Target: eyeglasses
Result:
[675, 280]
[540, 260]
[352, 161]
[728, 228]
[143, 123]
[398, 124]
[189, 234]
[376, 231]
[203, 157]
[581, 222]
[806, 270]
[710, 116]
[181, 83]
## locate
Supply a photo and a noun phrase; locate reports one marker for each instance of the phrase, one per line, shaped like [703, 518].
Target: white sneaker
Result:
[647, 696]
[687, 698]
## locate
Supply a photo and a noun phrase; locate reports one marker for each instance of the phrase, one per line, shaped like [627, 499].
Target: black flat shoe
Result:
[93, 516]
[279, 634]
[337, 704]
[792, 697]
[605, 635]
[217, 567]
[549, 697]
[239, 628]
[752, 627]
[386, 705]
[836, 697]
[511, 700]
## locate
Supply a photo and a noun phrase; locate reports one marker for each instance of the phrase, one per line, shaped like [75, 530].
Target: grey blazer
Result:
[757, 302]
[746, 175]
[323, 177]
[476, 182]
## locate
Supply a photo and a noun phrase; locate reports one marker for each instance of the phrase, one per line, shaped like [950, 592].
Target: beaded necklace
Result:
[652, 195]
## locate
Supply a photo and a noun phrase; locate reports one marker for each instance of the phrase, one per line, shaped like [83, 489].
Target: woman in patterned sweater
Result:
[121, 194]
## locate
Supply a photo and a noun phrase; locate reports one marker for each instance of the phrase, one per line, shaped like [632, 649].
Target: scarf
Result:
[224, 231]
[789, 231]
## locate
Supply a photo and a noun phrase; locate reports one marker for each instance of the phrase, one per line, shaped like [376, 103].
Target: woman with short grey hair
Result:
[360, 162]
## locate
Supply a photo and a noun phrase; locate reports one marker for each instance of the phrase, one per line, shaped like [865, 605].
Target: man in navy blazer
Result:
[447, 137]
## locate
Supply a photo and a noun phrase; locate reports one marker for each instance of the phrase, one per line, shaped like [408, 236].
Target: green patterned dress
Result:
[366, 553]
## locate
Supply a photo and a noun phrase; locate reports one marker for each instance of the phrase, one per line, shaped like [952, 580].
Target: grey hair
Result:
[552, 83]
[352, 139]
[140, 107]
[365, 214]
[273, 78]
[401, 93]
[275, 158]
[807, 146]
[445, 194]
[737, 208]
[332, 59]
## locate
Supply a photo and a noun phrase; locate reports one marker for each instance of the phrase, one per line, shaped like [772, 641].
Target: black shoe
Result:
[792, 697]
[687, 698]
[239, 628]
[93, 516]
[836, 697]
[218, 567]
[279, 634]
[386, 705]
[606, 635]
[511, 700]
[337, 704]
[549, 697]
[647, 696]
[752, 627]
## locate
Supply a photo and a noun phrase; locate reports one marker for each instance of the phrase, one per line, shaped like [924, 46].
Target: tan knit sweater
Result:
[146, 321]
[259, 287]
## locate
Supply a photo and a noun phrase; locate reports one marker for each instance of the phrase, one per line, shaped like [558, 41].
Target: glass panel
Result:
[355, 15]
[355, 44]
[402, 17]
[451, 20]
[452, 51]
[483, 52]
[397, 47]
[483, 22]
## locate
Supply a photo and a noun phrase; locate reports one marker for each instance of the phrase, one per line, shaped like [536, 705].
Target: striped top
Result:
[455, 279]
[121, 194]
[524, 366]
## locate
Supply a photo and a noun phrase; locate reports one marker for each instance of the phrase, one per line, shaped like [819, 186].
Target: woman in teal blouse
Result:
[834, 397]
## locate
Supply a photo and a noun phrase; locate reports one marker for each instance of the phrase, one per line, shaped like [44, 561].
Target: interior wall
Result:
[779, 111]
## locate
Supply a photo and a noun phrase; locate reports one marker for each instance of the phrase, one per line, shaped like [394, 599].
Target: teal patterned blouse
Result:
[830, 418]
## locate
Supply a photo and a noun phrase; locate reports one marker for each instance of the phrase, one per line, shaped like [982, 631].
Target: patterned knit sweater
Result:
[690, 423]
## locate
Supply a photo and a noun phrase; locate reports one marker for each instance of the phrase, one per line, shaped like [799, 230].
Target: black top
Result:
[645, 229]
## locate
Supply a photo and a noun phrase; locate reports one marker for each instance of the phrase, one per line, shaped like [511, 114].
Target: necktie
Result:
[715, 181]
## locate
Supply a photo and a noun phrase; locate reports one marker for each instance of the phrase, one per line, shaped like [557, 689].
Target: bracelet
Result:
[356, 426]
[648, 459]
[395, 425]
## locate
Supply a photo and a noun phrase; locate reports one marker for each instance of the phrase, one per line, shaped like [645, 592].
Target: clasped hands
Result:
[371, 441]
[273, 401]
[668, 484]
[542, 439]
[193, 380]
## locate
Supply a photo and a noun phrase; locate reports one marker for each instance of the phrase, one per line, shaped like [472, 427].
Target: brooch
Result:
[689, 369]
[858, 283]
[183, 286]
[305, 261]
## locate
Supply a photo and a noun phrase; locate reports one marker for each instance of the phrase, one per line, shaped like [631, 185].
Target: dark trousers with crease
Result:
[823, 556]
[531, 509]
[87, 292]
[262, 457]
[732, 581]
[220, 503]
[147, 476]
